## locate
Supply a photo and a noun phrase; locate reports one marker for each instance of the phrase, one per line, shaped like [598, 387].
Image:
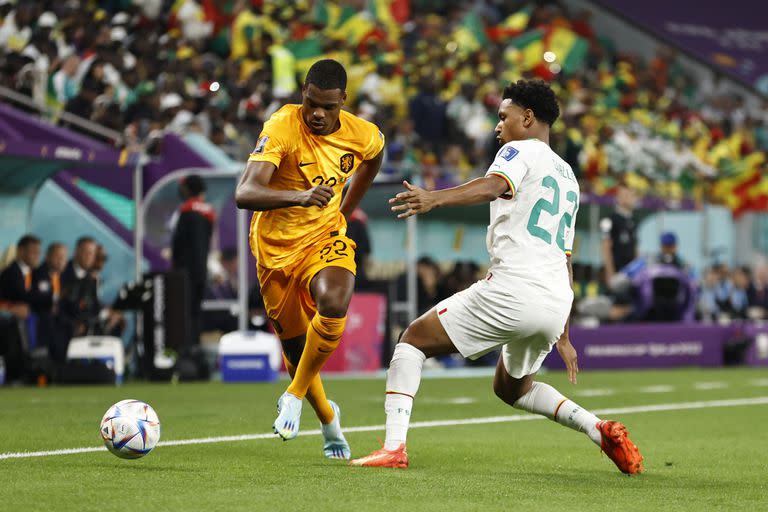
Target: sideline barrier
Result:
[661, 346]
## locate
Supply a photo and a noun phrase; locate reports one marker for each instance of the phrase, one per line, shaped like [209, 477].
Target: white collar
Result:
[80, 272]
[24, 268]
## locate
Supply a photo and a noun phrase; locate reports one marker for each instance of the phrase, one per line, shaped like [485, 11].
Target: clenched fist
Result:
[320, 196]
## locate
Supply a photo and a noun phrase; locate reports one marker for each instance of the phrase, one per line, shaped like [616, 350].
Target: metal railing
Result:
[56, 116]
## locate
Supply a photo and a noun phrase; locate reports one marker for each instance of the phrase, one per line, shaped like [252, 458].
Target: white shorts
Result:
[516, 315]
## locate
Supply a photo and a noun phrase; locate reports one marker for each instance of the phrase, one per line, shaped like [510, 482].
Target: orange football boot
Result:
[617, 445]
[384, 459]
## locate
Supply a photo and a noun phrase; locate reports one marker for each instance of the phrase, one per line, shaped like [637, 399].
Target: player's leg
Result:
[331, 289]
[425, 337]
[289, 314]
[540, 398]
[324, 285]
[335, 445]
[316, 397]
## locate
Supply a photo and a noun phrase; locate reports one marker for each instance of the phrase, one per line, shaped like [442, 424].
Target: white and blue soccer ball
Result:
[130, 429]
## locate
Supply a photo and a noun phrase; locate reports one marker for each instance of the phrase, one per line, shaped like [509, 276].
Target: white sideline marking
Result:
[736, 402]
[594, 392]
[459, 400]
[710, 385]
[657, 389]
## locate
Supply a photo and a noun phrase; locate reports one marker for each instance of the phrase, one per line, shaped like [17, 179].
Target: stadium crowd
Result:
[427, 72]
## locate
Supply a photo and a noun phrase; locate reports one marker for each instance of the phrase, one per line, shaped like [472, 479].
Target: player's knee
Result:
[508, 389]
[502, 392]
[408, 336]
[414, 336]
[333, 303]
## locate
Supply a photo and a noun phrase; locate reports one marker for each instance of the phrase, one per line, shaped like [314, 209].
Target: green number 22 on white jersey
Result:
[553, 208]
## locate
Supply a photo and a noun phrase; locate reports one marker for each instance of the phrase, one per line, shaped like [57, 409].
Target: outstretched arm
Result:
[416, 200]
[361, 183]
[253, 192]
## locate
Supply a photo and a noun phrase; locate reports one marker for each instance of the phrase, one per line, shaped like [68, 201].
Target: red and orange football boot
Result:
[621, 450]
[382, 458]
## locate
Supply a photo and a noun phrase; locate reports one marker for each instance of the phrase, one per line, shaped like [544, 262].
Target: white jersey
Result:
[531, 229]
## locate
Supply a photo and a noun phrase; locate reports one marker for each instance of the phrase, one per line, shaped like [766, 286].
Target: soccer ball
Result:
[130, 429]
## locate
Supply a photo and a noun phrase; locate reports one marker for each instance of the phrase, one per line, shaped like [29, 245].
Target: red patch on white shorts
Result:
[442, 311]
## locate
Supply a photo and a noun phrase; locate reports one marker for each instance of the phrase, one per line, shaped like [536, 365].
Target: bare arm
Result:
[417, 200]
[253, 192]
[361, 183]
[564, 347]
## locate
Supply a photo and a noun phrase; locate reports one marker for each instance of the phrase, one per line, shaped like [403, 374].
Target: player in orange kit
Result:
[294, 181]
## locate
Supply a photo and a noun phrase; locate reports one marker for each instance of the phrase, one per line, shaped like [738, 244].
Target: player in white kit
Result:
[523, 304]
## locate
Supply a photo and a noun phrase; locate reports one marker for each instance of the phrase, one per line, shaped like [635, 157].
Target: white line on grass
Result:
[736, 402]
[704, 386]
[663, 388]
[594, 392]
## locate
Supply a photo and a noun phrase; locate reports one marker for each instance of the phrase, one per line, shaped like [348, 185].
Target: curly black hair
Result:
[536, 95]
[327, 74]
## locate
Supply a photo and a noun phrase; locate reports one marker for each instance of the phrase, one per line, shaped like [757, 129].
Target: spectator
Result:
[719, 299]
[15, 300]
[64, 82]
[47, 287]
[757, 294]
[619, 246]
[83, 103]
[16, 279]
[739, 300]
[462, 276]
[709, 310]
[223, 286]
[192, 229]
[111, 322]
[11, 341]
[469, 118]
[79, 303]
[668, 254]
[357, 230]
[428, 277]
[428, 114]
[723, 289]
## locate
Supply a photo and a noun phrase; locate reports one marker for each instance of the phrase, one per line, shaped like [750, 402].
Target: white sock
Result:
[545, 400]
[403, 380]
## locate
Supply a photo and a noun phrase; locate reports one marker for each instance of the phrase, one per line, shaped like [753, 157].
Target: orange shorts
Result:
[286, 292]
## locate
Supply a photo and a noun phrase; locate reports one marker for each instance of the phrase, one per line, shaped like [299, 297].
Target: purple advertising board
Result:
[730, 36]
[646, 346]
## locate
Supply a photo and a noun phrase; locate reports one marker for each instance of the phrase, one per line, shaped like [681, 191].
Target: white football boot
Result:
[335, 446]
[288, 416]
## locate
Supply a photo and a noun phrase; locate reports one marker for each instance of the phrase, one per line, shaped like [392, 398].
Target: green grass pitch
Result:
[710, 458]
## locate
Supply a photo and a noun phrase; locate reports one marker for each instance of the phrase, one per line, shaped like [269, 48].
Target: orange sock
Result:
[322, 339]
[315, 395]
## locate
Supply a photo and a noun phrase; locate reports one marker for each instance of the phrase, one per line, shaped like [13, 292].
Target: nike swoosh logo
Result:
[302, 164]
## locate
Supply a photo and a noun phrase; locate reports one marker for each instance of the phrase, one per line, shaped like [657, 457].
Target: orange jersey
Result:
[281, 237]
